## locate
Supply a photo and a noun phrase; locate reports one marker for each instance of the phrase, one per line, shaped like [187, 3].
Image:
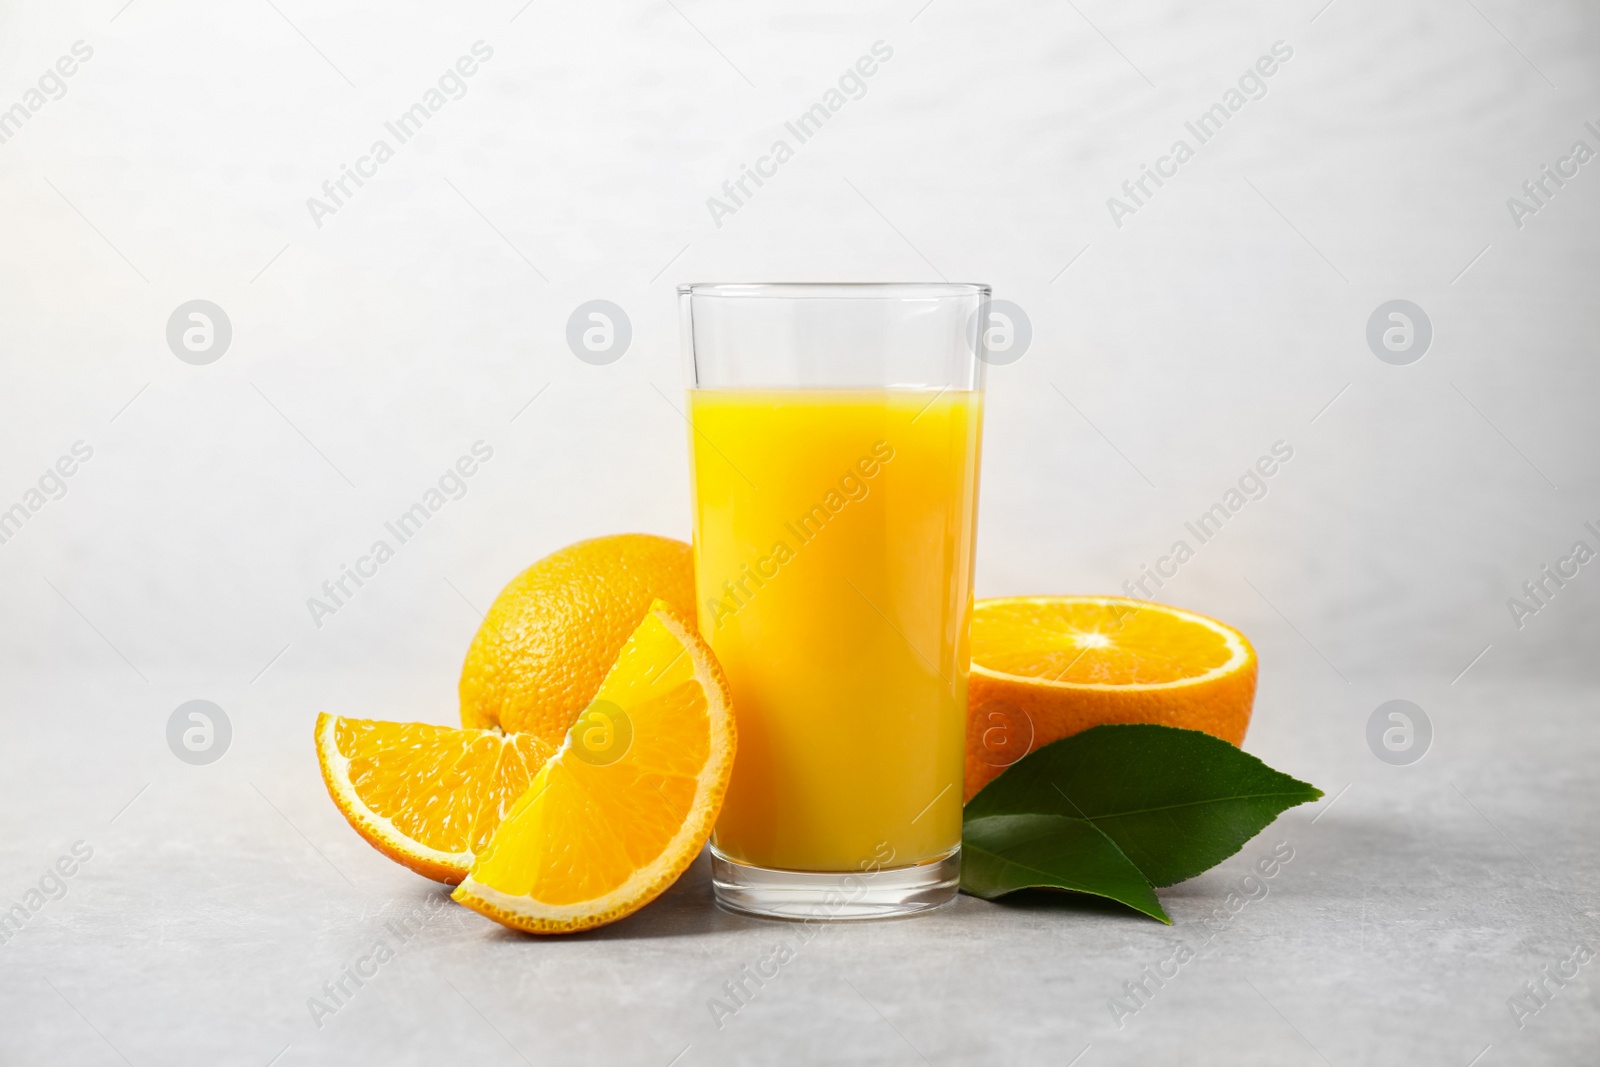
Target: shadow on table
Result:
[1063, 901]
[1333, 860]
[686, 909]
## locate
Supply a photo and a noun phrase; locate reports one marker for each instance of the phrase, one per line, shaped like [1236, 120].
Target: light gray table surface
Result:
[1419, 899]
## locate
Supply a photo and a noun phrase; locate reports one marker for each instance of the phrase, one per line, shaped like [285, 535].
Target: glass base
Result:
[835, 895]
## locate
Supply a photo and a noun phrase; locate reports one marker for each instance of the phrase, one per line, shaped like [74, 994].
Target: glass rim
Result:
[835, 290]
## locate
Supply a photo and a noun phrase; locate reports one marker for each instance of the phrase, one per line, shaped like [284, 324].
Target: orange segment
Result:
[1047, 667]
[629, 800]
[430, 797]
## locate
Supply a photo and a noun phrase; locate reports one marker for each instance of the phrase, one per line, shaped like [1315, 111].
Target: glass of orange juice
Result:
[834, 435]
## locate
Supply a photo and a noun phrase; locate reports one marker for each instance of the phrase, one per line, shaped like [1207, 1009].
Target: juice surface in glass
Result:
[833, 547]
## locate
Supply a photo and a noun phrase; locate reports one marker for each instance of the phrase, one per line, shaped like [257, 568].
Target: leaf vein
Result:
[1166, 807]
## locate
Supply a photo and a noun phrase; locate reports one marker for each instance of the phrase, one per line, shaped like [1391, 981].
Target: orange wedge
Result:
[627, 803]
[1047, 667]
[429, 797]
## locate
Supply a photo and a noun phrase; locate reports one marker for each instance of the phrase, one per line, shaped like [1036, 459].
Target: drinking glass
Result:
[834, 436]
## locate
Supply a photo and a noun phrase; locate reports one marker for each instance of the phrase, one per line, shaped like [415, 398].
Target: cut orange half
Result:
[627, 803]
[1047, 667]
[427, 796]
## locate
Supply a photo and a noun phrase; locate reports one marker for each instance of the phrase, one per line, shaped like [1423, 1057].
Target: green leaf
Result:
[1118, 810]
[1002, 853]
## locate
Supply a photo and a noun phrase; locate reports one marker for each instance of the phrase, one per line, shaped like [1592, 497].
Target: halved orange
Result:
[427, 796]
[624, 807]
[1047, 667]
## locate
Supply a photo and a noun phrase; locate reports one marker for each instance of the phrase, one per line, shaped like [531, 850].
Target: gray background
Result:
[1229, 313]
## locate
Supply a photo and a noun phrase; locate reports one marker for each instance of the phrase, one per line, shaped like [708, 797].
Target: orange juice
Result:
[833, 550]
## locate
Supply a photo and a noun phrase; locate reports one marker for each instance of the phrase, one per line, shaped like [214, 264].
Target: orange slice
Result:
[427, 796]
[1046, 667]
[626, 804]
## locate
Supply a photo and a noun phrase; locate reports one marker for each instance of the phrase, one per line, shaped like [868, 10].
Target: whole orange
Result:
[556, 629]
